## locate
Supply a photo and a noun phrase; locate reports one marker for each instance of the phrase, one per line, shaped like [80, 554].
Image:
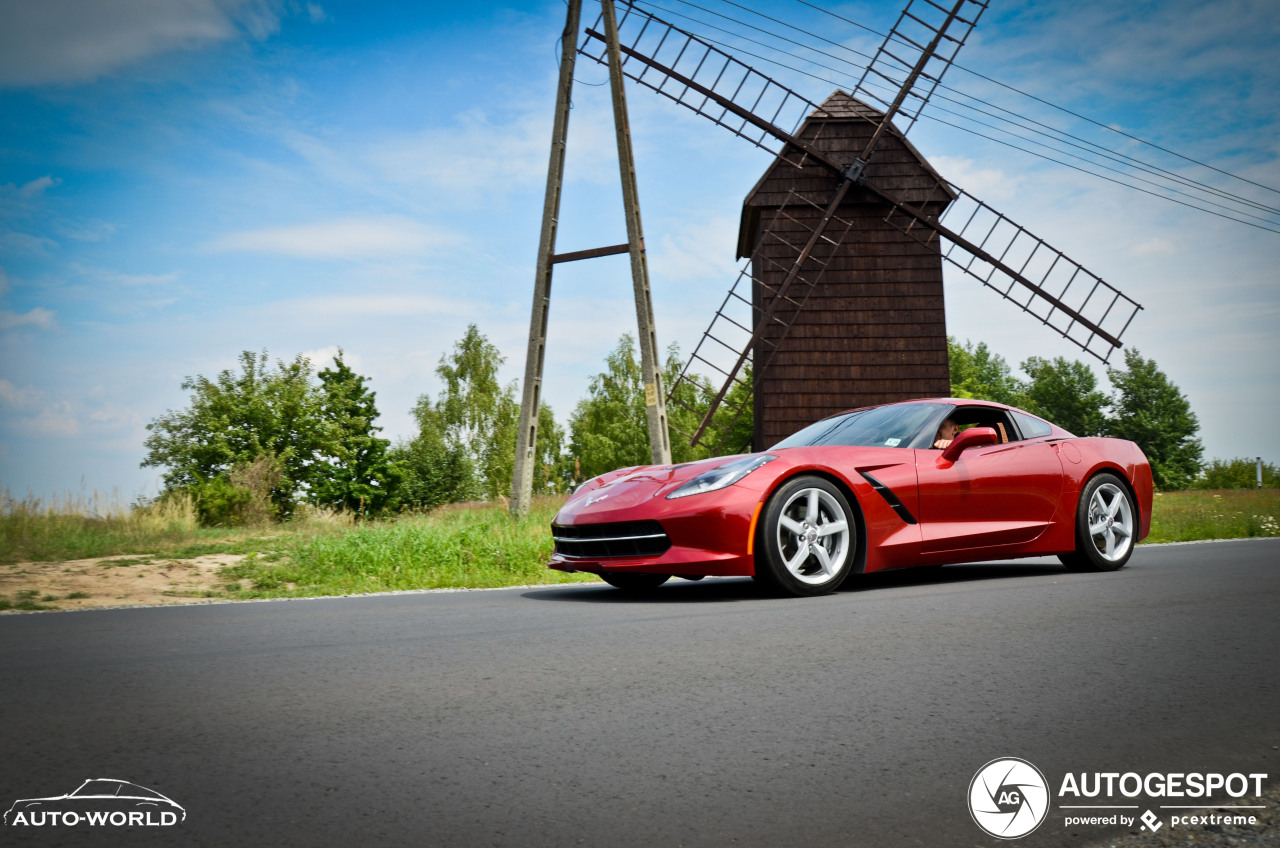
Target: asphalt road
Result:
[707, 716]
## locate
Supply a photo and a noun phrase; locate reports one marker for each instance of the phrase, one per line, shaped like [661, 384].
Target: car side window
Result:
[985, 416]
[1031, 427]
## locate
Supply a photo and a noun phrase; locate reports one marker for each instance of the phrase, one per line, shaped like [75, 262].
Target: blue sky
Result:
[182, 181]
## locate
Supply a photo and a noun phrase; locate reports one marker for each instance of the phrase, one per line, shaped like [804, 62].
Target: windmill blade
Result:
[1021, 267]
[703, 79]
[914, 56]
[970, 234]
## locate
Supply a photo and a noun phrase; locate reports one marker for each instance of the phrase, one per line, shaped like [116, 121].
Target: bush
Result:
[240, 498]
[1238, 473]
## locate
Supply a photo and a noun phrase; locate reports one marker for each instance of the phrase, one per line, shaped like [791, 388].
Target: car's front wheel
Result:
[807, 538]
[1106, 526]
[638, 583]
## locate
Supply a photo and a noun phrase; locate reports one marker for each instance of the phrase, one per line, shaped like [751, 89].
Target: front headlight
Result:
[718, 478]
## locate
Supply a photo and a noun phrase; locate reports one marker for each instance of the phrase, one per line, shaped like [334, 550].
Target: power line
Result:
[1112, 179]
[1149, 167]
[1041, 100]
[1069, 139]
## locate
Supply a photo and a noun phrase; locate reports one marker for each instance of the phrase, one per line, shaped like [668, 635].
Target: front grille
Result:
[624, 539]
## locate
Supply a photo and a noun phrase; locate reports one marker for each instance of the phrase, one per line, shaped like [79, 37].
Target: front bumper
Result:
[705, 535]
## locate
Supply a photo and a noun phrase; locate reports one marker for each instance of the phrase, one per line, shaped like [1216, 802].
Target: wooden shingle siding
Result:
[874, 329]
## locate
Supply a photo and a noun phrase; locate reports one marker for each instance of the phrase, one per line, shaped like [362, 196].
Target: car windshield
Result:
[893, 426]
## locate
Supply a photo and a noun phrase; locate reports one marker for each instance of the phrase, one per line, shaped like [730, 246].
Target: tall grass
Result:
[76, 527]
[464, 546]
[1229, 514]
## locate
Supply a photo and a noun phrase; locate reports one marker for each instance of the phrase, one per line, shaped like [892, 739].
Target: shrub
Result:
[1238, 473]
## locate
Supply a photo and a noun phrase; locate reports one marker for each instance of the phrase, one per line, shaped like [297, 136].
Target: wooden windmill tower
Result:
[840, 301]
[874, 329]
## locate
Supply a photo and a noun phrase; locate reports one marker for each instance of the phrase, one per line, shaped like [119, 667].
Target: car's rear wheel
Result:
[637, 583]
[807, 538]
[1106, 526]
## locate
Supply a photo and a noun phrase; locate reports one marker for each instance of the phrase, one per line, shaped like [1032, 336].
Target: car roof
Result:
[938, 400]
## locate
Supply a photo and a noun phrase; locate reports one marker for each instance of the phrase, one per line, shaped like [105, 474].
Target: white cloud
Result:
[56, 420]
[1153, 246]
[18, 398]
[87, 231]
[316, 12]
[38, 317]
[327, 307]
[113, 416]
[478, 159]
[105, 276]
[37, 186]
[344, 238]
[24, 243]
[323, 357]
[69, 41]
[698, 251]
[988, 184]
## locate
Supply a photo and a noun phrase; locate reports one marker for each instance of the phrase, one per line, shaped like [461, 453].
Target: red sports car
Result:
[866, 490]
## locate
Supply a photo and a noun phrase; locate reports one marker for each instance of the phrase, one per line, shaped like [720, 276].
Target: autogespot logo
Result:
[1008, 798]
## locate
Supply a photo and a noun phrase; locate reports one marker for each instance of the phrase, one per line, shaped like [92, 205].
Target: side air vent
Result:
[890, 498]
[598, 541]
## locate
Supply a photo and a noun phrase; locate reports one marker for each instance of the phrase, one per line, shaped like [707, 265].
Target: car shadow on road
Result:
[677, 591]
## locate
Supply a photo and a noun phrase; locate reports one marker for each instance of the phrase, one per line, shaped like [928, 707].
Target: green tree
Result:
[608, 429]
[978, 373]
[738, 431]
[236, 420]
[728, 432]
[353, 472]
[466, 442]
[1149, 409]
[1066, 393]
[434, 469]
[478, 413]
[553, 473]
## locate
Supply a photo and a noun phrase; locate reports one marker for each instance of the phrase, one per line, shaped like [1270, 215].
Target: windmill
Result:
[825, 176]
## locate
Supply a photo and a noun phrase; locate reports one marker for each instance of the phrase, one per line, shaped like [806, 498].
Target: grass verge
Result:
[463, 546]
[84, 528]
[1196, 515]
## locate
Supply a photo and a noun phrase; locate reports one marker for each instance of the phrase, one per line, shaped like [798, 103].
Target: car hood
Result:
[627, 488]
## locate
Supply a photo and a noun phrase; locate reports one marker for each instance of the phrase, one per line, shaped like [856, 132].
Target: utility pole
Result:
[655, 397]
[655, 401]
[531, 400]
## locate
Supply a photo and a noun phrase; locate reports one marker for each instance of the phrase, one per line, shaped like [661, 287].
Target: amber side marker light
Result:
[751, 534]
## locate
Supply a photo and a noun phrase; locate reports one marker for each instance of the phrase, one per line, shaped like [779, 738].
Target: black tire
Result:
[1106, 526]
[807, 540]
[635, 583]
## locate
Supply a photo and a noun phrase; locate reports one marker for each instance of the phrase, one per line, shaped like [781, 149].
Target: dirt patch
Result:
[114, 581]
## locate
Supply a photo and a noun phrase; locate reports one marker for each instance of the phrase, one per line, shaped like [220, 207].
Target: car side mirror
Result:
[972, 438]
